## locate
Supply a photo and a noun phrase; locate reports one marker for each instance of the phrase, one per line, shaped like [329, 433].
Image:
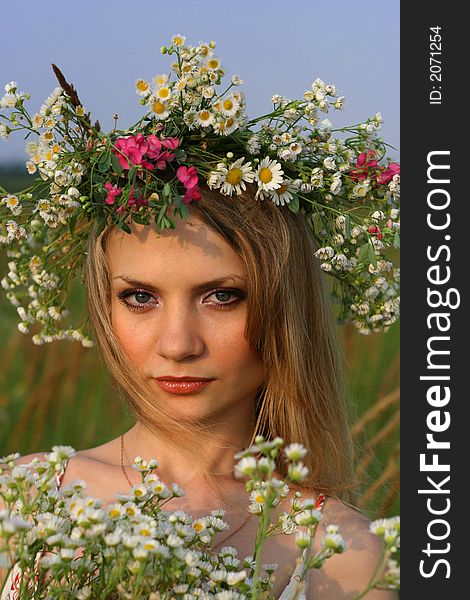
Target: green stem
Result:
[263, 525]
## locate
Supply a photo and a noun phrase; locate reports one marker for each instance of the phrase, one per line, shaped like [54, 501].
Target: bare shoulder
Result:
[345, 575]
[96, 466]
[28, 458]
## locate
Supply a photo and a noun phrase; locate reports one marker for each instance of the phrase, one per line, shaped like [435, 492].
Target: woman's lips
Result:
[182, 387]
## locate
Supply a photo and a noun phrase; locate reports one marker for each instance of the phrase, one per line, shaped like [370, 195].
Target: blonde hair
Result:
[289, 323]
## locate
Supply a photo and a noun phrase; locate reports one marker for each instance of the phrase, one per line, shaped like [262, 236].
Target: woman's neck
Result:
[215, 454]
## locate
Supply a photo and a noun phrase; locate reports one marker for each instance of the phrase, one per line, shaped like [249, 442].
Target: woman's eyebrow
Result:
[197, 288]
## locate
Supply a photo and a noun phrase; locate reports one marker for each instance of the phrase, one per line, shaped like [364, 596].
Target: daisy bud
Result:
[302, 539]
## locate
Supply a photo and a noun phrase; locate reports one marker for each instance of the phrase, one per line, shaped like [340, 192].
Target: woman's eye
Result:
[135, 299]
[142, 297]
[223, 297]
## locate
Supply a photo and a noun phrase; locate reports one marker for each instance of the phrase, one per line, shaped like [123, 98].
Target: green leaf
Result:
[72, 223]
[317, 223]
[168, 223]
[132, 174]
[177, 203]
[116, 164]
[363, 253]
[396, 240]
[105, 162]
[371, 255]
[294, 204]
[179, 207]
[142, 220]
[167, 190]
[101, 223]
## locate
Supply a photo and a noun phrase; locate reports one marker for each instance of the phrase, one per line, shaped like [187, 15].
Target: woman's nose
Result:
[178, 333]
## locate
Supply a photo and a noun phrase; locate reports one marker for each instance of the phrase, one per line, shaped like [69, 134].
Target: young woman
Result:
[216, 326]
[219, 330]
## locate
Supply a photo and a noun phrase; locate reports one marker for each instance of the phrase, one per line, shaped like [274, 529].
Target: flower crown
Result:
[344, 186]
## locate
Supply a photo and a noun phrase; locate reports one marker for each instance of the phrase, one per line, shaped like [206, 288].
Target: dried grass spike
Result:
[67, 87]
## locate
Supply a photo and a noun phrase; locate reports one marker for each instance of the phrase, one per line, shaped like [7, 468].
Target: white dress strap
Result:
[295, 585]
[296, 588]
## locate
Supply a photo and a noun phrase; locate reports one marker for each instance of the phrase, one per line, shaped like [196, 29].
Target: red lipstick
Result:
[182, 385]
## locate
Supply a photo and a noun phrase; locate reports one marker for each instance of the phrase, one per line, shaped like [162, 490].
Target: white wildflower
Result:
[325, 253]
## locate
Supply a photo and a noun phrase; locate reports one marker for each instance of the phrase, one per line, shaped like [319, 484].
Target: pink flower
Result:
[375, 230]
[130, 150]
[365, 162]
[113, 192]
[136, 200]
[155, 152]
[164, 158]
[388, 174]
[171, 143]
[366, 159]
[187, 176]
[155, 146]
[192, 194]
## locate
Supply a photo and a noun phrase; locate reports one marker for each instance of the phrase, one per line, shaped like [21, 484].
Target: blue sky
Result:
[276, 47]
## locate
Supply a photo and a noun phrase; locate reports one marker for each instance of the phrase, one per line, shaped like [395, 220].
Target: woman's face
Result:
[179, 310]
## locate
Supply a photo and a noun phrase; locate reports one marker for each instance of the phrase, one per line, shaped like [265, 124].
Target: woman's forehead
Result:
[191, 246]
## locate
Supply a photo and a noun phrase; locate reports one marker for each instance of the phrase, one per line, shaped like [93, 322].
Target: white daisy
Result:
[207, 91]
[180, 85]
[229, 107]
[309, 95]
[340, 103]
[316, 178]
[4, 131]
[11, 86]
[253, 145]
[190, 118]
[192, 98]
[235, 177]
[142, 87]
[213, 64]
[286, 138]
[160, 80]
[269, 175]
[162, 93]
[283, 194]
[159, 109]
[226, 127]
[330, 163]
[214, 180]
[204, 117]
[295, 451]
[8, 101]
[178, 40]
[12, 202]
[360, 189]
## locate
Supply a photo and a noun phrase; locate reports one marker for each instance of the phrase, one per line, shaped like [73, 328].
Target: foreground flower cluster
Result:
[65, 544]
[194, 134]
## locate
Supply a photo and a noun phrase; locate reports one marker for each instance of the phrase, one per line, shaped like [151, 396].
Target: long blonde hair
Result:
[289, 323]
